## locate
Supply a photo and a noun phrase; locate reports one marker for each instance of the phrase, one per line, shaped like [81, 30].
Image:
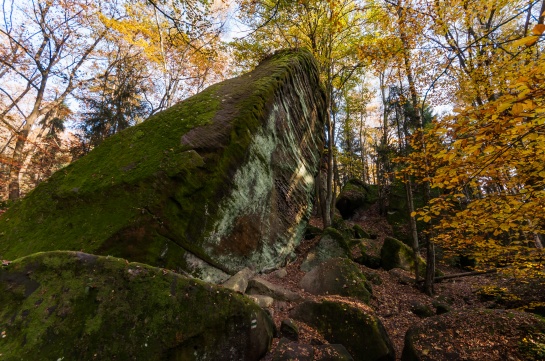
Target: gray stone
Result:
[331, 245]
[239, 282]
[337, 276]
[259, 286]
[262, 301]
[281, 273]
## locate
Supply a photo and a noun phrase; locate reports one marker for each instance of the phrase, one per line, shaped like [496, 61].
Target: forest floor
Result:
[393, 301]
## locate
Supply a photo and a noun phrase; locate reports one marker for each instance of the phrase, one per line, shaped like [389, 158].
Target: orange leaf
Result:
[538, 29]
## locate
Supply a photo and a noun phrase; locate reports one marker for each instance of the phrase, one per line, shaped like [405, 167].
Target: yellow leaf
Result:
[538, 29]
[528, 41]
[426, 219]
[517, 109]
[503, 106]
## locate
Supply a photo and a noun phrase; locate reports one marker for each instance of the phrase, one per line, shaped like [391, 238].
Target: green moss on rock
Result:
[396, 254]
[332, 244]
[356, 328]
[225, 176]
[77, 306]
[337, 276]
[356, 195]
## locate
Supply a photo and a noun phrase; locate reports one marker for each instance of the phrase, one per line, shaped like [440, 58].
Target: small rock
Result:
[440, 307]
[281, 273]
[262, 301]
[239, 282]
[289, 329]
[421, 310]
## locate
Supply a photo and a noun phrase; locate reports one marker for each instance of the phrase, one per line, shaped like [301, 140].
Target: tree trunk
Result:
[14, 191]
[430, 269]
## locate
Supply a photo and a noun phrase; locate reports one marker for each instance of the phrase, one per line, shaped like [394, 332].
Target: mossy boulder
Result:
[337, 276]
[359, 232]
[494, 335]
[396, 254]
[77, 306]
[355, 327]
[343, 227]
[222, 180]
[332, 244]
[368, 253]
[356, 195]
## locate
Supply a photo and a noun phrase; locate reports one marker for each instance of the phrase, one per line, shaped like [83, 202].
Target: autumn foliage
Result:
[488, 165]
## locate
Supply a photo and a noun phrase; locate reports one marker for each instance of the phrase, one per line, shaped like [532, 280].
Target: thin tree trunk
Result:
[414, 230]
[430, 268]
[14, 191]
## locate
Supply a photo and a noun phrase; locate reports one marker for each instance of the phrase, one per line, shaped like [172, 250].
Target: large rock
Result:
[355, 327]
[396, 254]
[221, 181]
[494, 335]
[77, 306]
[355, 195]
[332, 244]
[337, 276]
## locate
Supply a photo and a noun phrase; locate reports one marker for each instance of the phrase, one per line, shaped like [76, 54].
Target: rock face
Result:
[356, 328]
[518, 334]
[355, 195]
[77, 306]
[216, 183]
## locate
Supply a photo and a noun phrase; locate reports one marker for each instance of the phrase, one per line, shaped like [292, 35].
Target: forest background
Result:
[73, 72]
